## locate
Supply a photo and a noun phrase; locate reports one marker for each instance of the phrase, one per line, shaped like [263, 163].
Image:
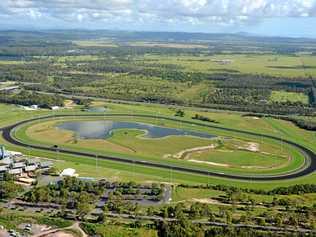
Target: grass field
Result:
[12, 219]
[128, 144]
[119, 231]
[95, 43]
[181, 194]
[187, 194]
[284, 96]
[273, 65]
[168, 45]
[118, 171]
[121, 172]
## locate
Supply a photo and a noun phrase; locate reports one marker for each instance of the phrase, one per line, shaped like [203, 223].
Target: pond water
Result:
[103, 129]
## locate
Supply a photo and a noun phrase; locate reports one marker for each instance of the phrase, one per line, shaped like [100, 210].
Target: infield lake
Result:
[104, 129]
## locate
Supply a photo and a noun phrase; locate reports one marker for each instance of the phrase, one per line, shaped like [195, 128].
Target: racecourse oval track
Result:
[310, 156]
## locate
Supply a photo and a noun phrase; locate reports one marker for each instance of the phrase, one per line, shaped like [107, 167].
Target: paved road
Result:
[309, 167]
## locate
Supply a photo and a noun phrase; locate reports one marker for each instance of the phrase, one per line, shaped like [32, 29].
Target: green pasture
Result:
[95, 43]
[120, 230]
[284, 96]
[118, 171]
[237, 158]
[266, 64]
[125, 172]
[154, 150]
[191, 194]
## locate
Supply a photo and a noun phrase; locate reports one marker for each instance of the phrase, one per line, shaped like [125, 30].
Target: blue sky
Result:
[264, 17]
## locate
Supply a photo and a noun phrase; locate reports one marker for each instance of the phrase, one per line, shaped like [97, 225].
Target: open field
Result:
[230, 72]
[273, 65]
[121, 172]
[189, 194]
[283, 96]
[116, 171]
[169, 45]
[128, 144]
[95, 43]
[118, 231]
[12, 219]
[10, 114]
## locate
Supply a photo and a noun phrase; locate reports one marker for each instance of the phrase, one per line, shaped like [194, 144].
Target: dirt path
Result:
[76, 226]
[185, 154]
[59, 232]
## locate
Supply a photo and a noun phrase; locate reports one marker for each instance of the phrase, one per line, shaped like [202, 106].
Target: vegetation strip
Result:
[309, 155]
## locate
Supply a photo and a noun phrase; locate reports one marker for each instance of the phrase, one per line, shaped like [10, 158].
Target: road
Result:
[309, 167]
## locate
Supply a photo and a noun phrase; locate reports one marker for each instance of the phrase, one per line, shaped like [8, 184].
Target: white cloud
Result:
[168, 11]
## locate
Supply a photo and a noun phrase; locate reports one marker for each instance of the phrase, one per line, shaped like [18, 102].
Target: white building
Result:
[55, 108]
[69, 172]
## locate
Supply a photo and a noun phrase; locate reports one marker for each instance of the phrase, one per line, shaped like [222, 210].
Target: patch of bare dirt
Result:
[59, 234]
[210, 163]
[209, 201]
[185, 154]
[250, 146]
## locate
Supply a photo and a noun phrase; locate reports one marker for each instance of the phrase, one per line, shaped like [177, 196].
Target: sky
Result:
[295, 18]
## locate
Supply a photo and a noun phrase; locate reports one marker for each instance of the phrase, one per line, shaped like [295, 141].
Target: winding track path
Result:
[310, 156]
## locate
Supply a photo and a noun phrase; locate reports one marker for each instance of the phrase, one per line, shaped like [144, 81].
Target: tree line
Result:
[28, 98]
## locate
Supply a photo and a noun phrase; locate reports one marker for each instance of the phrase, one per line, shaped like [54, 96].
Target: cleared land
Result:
[284, 96]
[273, 65]
[169, 45]
[95, 43]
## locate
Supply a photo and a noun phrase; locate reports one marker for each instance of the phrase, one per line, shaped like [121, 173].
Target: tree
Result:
[83, 209]
[278, 220]
[228, 217]
[179, 113]
[8, 189]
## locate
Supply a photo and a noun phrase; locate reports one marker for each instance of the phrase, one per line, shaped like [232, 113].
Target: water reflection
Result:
[103, 129]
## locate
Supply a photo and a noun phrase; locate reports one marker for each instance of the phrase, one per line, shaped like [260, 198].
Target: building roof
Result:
[68, 172]
[7, 161]
[46, 164]
[30, 168]
[15, 171]
[18, 165]
[14, 153]
[32, 162]
[55, 107]
[3, 168]
[27, 180]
